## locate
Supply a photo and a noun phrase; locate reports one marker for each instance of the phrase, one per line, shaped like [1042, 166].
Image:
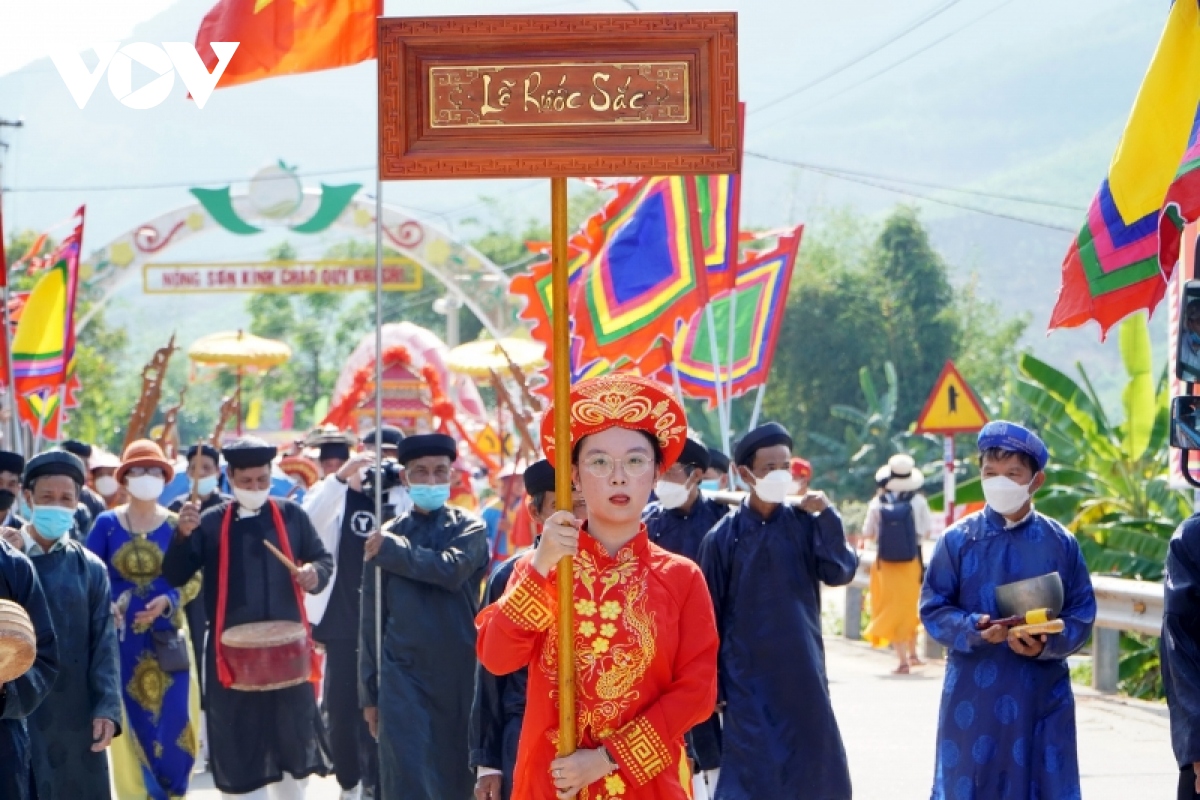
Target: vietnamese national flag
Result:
[287, 37]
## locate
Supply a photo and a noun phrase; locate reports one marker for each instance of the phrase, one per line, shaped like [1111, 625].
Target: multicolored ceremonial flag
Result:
[535, 287]
[719, 203]
[637, 269]
[1113, 269]
[718, 199]
[288, 37]
[43, 348]
[762, 288]
[1182, 205]
[647, 275]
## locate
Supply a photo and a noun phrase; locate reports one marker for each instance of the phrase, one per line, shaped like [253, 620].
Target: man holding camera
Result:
[430, 564]
[344, 515]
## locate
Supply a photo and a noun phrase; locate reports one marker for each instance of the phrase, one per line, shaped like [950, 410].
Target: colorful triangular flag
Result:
[762, 288]
[1112, 268]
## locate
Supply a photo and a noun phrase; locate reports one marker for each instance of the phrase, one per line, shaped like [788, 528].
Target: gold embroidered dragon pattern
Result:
[614, 641]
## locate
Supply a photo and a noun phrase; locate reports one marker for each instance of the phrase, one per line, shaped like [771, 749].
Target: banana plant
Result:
[870, 437]
[1108, 482]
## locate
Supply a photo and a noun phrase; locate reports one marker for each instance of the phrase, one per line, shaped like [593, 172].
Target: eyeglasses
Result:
[603, 466]
[137, 472]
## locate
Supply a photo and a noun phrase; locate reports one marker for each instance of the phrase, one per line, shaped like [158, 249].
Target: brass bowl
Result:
[1020, 597]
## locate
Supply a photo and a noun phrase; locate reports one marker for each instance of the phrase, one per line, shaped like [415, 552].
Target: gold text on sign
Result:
[558, 94]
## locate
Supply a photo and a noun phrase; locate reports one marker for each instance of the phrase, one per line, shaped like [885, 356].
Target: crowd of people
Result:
[369, 632]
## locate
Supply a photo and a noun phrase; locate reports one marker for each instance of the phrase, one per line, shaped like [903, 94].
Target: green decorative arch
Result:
[467, 274]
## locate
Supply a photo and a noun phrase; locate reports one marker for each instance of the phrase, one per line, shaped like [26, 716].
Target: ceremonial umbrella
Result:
[243, 351]
[480, 358]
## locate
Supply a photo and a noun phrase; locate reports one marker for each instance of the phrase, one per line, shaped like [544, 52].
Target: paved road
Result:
[889, 722]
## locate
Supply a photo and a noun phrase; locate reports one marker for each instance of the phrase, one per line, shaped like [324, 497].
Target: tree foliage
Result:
[865, 295]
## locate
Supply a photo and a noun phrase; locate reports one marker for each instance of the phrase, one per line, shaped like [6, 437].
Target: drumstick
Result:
[195, 497]
[287, 562]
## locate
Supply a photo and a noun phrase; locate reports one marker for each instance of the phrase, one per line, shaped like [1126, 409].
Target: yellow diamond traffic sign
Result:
[953, 407]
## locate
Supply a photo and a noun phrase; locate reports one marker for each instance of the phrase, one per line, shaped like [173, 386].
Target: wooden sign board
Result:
[558, 96]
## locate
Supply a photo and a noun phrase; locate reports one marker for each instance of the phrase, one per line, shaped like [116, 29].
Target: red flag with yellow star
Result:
[287, 37]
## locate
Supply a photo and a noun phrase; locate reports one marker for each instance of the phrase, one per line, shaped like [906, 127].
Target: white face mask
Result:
[107, 485]
[1005, 496]
[671, 495]
[251, 500]
[775, 486]
[146, 487]
[206, 486]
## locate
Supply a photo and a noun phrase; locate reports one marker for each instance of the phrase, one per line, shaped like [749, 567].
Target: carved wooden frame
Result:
[410, 148]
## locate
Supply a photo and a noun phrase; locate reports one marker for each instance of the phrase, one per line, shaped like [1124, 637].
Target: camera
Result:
[387, 474]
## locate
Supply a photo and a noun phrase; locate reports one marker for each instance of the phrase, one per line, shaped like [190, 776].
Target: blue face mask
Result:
[52, 522]
[206, 486]
[429, 496]
[710, 486]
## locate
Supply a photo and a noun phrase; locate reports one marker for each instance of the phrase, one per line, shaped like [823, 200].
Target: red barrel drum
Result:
[264, 656]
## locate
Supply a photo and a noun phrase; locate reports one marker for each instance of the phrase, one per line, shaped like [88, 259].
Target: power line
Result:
[913, 182]
[920, 196]
[890, 67]
[912, 26]
[175, 184]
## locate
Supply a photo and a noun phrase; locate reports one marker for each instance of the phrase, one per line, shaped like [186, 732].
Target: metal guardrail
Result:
[1121, 605]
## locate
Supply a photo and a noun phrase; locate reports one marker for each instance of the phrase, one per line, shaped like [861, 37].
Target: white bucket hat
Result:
[905, 475]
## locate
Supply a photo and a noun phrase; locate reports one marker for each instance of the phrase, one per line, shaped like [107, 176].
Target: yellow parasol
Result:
[478, 359]
[242, 351]
[239, 349]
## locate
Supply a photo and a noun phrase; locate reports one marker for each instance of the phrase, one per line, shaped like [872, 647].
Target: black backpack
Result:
[897, 529]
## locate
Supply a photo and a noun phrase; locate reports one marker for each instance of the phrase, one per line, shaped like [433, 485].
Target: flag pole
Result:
[561, 361]
[378, 425]
[13, 428]
[758, 403]
[729, 375]
[37, 437]
[718, 388]
[61, 411]
[675, 380]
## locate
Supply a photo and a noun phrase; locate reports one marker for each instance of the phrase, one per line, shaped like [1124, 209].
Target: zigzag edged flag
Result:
[1112, 269]
[762, 288]
[718, 198]
[646, 277]
[719, 202]
[43, 349]
[1182, 205]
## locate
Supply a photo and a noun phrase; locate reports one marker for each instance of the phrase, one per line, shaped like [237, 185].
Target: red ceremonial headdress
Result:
[623, 401]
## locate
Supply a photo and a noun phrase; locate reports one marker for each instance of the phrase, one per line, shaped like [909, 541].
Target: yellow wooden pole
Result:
[561, 359]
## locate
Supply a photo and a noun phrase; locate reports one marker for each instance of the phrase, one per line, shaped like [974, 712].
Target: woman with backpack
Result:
[898, 520]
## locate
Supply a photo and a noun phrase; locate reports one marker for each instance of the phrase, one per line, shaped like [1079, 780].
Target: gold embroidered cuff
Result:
[642, 752]
[528, 605]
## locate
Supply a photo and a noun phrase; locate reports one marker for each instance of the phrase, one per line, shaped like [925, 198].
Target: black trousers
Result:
[197, 620]
[1187, 784]
[355, 753]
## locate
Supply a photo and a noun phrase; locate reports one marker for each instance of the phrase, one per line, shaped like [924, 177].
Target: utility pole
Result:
[14, 426]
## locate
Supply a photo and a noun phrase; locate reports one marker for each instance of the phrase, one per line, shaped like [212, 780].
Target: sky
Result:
[955, 105]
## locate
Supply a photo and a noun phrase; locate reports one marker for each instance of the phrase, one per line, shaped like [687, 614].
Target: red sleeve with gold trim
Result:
[642, 747]
[510, 628]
